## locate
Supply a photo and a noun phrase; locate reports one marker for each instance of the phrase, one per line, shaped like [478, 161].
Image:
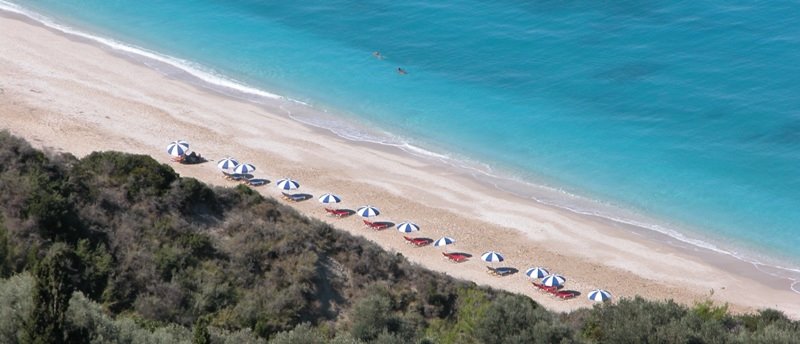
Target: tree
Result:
[201, 335]
[15, 306]
[53, 286]
[371, 316]
[5, 254]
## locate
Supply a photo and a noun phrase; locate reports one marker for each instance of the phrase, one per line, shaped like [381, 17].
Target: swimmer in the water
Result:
[401, 71]
[378, 55]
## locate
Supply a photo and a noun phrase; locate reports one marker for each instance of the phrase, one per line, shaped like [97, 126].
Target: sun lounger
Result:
[501, 271]
[545, 288]
[256, 182]
[565, 294]
[455, 257]
[236, 176]
[294, 197]
[377, 225]
[419, 242]
[339, 212]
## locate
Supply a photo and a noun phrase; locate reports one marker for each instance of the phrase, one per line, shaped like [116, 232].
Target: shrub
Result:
[138, 176]
[517, 319]
[88, 320]
[16, 303]
[706, 310]
[372, 316]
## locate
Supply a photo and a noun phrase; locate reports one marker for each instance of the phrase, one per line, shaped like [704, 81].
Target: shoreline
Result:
[548, 220]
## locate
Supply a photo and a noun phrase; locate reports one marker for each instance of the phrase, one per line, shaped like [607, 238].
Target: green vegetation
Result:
[116, 248]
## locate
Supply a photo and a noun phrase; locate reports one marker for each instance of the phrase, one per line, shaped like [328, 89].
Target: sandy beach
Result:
[68, 94]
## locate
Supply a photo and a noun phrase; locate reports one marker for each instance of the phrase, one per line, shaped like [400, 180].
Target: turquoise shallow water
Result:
[686, 112]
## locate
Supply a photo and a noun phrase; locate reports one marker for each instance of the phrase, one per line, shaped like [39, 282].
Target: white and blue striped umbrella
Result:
[599, 295]
[178, 148]
[329, 198]
[227, 164]
[288, 184]
[553, 280]
[368, 211]
[244, 168]
[492, 257]
[444, 241]
[537, 272]
[407, 227]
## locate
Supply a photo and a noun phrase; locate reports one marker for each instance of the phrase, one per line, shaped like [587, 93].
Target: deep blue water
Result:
[686, 111]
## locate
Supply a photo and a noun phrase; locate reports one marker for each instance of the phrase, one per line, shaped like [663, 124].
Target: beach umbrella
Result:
[444, 241]
[599, 295]
[227, 164]
[178, 148]
[368, 211]
[492, 257]
[244, 168]
[537, 272]
[287, 184]
[553, 280]
[407, 227]
[329, 198]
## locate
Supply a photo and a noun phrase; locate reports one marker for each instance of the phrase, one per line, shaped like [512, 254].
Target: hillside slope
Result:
[116, 247]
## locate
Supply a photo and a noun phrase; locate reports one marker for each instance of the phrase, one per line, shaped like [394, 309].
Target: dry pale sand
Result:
[70, 95]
